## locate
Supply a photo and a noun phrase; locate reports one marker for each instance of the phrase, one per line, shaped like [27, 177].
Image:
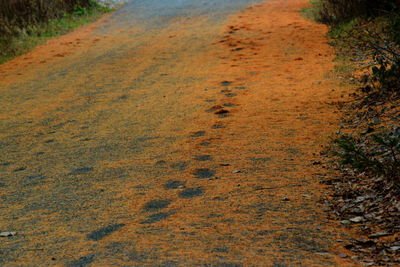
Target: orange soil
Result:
[262, 206]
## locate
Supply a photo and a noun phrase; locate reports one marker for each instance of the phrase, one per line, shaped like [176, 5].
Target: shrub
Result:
[17, 15]
[380, 39]
[340, 11]
[376, 155]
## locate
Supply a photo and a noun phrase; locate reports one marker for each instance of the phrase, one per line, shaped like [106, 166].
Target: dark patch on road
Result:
[222, 111]
[231, 95]
[82, 262]
[157, 217]
[169, 264]
[81, 171]
[218, 126]
[181, 166]
[227, 264]
[158, 204]
[135, 255]
[191, 192]
[198, 134]
[105, 231]
[203, 173]
[226, 83]
[206, 143]
[223, 249]
[265, 232]
[31, 180]
[174, 184]
[161, 163]
[203, 158]
[228, 105]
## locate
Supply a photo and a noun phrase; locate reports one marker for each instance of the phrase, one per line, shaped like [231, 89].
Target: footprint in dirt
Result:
[204, 173]
[82, 261]
[226, 83]
[181, 166]
[105, 231]
[191, 192]
[205, 143]
[229, 105]
[198, 134]
[218, 126]
[230, 95]
[155, 205]
[174, 184]
[153, 218]
[203, 158]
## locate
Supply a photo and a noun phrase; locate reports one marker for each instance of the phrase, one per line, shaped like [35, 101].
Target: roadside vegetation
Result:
[366, 36]
[25, 24]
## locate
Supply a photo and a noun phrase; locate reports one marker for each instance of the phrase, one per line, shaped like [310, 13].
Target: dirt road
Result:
[171, 133]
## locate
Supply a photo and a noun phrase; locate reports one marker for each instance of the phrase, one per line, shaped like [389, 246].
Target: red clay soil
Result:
[208, 161]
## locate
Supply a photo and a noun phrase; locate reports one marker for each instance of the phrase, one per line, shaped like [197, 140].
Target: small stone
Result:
[345, 222]
[7, 234]
[357, 219]
[342, 255]
[236, 171]
[368, 130]
[395, 248]
[379, 234]
[285, 199]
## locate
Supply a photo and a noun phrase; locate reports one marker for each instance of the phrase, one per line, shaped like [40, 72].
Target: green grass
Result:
[344, 68]
[312, 11]
[35, 35]
[342, 29]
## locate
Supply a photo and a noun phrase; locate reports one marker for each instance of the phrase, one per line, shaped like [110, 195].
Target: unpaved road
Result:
[171, 133]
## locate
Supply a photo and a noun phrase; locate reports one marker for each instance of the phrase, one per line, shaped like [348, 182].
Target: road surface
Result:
[171, 133]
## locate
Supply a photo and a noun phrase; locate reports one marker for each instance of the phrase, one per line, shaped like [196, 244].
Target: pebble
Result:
[357, 219]
[7, 234]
